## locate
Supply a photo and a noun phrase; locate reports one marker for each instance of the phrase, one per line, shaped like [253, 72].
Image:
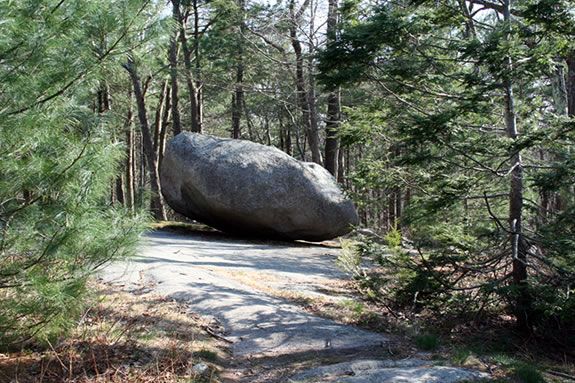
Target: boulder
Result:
[246, 188]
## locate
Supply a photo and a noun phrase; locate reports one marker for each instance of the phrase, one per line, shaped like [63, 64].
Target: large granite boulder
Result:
[247, 188]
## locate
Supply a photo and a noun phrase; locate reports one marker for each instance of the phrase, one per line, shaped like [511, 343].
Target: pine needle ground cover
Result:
[123, 337]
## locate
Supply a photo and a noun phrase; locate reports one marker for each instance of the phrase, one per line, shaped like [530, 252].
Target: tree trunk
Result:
[333, 101]
[103, 100]
[173, 56]
[161, 148]
[332, 127]
[311, 98]
[559, 91]
[518, 244]
[156, 205]
[192, 91]
[571, 83]
[237, 102]
[158, 120]
[313, 125]
[238, 96]
[129, 171]
[198, 72]
[287, 140]
[120, 190]
[314, 141]
[302, 94]
[341, 166]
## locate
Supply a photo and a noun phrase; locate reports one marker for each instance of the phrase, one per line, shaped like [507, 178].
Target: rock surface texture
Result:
[247, 291]
[247, 188]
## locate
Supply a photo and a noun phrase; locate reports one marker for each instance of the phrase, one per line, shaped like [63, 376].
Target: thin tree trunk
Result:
[237, 102]
[314, 141]
[142, 176]
[252, 133]
[173, 56]
[192, 91]
[282, 142]
[469, 22]
[391, 217]
[518, 245]
[103, 100]
[302, 94]
[341, 166]
[238, 96]
[120, 190]
[158, 120]
[164, 134]
[333, 101]
[570, 98]
[313, 125]
[129, 171]
[559, 91]
[571, 83]
[552, 201]
[267, 130]
[288, 140]
[332, 127]
[198, 65]
[285, 135]
[156, 205]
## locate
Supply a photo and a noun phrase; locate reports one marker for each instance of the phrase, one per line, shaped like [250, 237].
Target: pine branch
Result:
[84, 72]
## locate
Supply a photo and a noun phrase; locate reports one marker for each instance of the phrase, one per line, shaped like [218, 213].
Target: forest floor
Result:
[198, 306]
[282, 309]
[133, 336]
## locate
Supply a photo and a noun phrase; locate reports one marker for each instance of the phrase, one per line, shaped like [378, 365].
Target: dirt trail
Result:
[237, 282]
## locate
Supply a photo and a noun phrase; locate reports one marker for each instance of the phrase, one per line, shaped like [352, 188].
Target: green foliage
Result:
[58, 162]
[427, 342]
[393, 238]
[527, 373]
[523, 371]
[437, 131]
[349, 258]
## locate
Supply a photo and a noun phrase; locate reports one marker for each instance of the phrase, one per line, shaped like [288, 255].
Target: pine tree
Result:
[59, 159]
[463, 117]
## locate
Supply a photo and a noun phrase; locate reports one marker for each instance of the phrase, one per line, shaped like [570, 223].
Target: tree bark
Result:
[313, 119]
[518, 245]
[156, 205]
[238, 96]
[158, 120]
[341, 166]
[103, 99]
[173, 57]
[103, 106]
[302, 93]
[198, 66]
[192, 90]
[129, 171]
[559, 91]
[571, 83]
[332, 127]
[161, 148]
[313, 124]
[333, 117]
